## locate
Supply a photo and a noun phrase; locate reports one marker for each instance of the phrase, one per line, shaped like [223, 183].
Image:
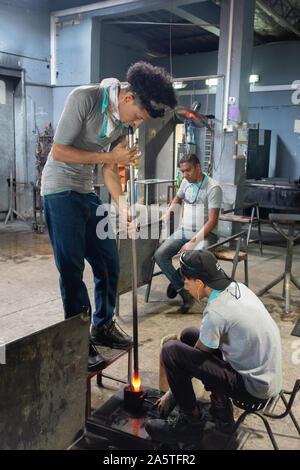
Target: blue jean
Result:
[170, 247]
[71, 221]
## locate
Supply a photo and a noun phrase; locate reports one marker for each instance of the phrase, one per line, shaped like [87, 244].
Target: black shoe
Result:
[171, 291]
[111, 336]
[95, 360]
[188, 300]
[177, 428]
[222, 415]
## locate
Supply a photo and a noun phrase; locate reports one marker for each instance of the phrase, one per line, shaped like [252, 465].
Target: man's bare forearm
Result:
[206, 229]
[121, 153]
[112, 181]
[199, 345]
[208, 226]
[70, 154]
[173, 206]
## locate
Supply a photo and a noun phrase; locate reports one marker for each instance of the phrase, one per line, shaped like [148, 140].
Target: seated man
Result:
[236, 353]
[202, 198]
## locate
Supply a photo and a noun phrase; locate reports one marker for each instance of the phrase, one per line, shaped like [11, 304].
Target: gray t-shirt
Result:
[197, 200]
[248, 337]
[83, 125]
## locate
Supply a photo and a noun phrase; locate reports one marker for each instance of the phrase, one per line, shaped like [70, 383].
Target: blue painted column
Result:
[234, 62]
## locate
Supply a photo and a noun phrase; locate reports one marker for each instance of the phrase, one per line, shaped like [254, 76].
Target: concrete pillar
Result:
[234, 62]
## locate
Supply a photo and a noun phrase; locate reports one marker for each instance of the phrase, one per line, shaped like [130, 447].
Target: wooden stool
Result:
[235, 256]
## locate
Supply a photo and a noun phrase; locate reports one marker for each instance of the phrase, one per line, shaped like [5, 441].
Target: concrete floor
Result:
[30, 300]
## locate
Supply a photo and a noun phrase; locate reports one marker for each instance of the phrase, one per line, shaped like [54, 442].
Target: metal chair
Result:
[254, 219]
[234, 255]
[261, 408]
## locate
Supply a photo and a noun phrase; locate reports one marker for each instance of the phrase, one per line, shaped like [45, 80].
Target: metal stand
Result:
[12, 182]
[12, 198]
[287, 277]
[122, 428]
[38, 218]
[110, 355]
[157, 182]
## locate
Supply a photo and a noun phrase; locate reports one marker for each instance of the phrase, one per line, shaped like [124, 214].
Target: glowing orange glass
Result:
[136, 382]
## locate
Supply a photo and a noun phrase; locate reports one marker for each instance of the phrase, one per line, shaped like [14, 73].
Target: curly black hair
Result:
[152, 86]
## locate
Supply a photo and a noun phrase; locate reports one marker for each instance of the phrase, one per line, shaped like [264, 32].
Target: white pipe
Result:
[190, 79]
[115, 3]
[91, 7]
[256, 88]
[53, 49]
[253, 89]
[24, 56]
[227, 83]
[25, 126]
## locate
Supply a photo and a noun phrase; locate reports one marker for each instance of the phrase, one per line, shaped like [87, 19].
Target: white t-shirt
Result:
[197, 200]
[248, 337]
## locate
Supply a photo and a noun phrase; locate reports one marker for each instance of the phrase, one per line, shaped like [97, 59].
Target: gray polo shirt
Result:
[237, 322]
[83, 125]
[197, 200]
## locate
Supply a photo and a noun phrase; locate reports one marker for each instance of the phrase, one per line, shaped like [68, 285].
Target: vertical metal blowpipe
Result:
[133, 262]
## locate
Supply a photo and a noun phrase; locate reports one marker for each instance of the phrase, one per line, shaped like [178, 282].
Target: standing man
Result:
[202, 197]
[236, 353]
[91, 131]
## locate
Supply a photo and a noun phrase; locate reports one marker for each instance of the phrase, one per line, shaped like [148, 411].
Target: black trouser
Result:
[182, 362]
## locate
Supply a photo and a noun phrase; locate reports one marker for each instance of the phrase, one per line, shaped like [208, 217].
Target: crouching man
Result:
[236, 353]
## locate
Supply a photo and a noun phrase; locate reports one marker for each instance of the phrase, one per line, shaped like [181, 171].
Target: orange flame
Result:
[190, 115]
[136, 383]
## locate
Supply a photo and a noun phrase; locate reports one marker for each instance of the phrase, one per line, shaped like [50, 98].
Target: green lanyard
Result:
[196, 187]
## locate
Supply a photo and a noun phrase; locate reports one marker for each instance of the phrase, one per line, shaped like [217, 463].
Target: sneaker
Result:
[112, 336]
[171, 291]
[222, 415]
[181, 427]
[188, 300]
[95, 360]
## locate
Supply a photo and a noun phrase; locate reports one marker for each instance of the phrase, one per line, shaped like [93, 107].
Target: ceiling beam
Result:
[114, 7]
[194, 19]
[276, 17]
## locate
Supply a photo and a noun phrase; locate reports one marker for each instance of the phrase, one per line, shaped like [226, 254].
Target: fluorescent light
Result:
[211, 82]
[254, 78]
[179, 85]
[2, 92]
